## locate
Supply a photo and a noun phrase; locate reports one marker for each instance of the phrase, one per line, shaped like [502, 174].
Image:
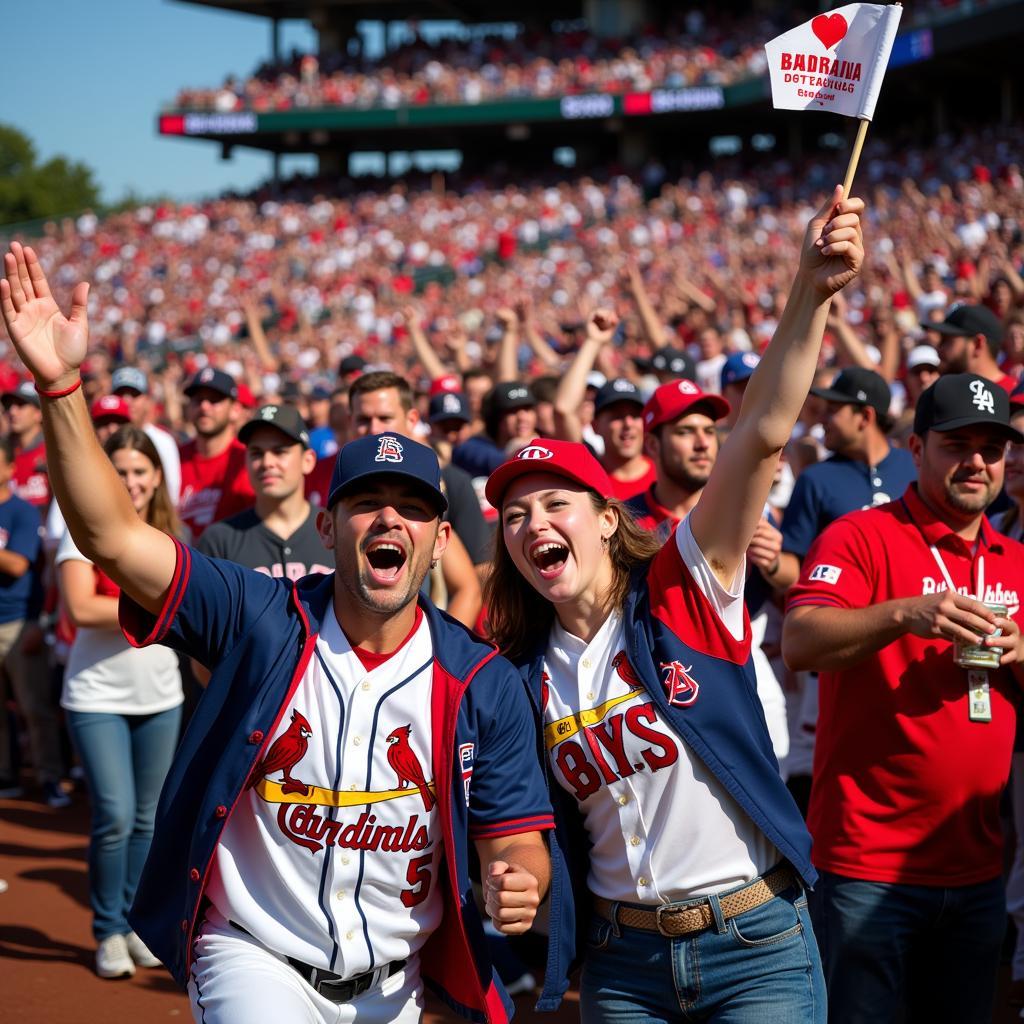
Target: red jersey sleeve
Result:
[838, 569]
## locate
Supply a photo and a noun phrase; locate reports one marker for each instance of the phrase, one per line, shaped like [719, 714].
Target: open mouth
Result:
[549, 558]
[386, 560]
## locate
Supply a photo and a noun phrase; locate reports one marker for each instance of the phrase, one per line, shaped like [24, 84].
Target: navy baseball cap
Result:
[129, 377]
[964, 400]
[618, 390]
[386, 455]
[215, 380]
[738, 367]
[449, 405]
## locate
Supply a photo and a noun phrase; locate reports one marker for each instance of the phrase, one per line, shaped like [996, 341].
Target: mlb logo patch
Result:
[825, 574]
[535, 451]
[681, 688]
[466, 751]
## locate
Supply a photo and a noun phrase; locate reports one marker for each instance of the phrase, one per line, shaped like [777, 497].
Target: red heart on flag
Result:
[829, 28]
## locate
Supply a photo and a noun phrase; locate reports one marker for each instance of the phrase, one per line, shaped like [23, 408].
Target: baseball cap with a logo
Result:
[569, 459]
[130, 378]
[110, 408]
[738, 367]
[618, 389]
[958, 400]
[511, 395]
[215, 380]
[386, 455]
[679, 398]
[446, 382]
[448, 405]
[281, 417]
[671, 361]
[856, 385]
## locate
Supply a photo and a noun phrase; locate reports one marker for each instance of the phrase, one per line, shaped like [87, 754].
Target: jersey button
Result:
[585, 663]
[348, 935]
[344, 860]
[590, 695]
[340, 894]
[365, 684]
[220, 811]
[641, 880]
[194, 874]
[256, 737]
[623, 800]
[634, 840]
[357, 740]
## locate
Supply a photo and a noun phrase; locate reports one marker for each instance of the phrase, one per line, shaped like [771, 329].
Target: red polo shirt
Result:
[31, 481]
[906, 787]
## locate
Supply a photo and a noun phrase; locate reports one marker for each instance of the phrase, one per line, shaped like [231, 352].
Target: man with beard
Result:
[970, 341]
[915, 734]
[214, 480]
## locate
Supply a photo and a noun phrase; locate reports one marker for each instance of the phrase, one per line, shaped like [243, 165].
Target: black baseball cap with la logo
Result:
[281, 417]
[964, 400]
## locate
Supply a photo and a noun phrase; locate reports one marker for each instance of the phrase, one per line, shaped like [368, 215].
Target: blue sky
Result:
[92, 90]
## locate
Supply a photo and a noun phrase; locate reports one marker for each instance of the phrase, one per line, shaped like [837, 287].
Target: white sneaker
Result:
[139, 952]
[113, 959]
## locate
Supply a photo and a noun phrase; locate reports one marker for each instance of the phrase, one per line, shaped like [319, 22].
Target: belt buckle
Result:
[678, 908]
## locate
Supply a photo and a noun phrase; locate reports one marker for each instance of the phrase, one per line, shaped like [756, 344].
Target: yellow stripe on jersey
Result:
[566, 728]
[272, 793]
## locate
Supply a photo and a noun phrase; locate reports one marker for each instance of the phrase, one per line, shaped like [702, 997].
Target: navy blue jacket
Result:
[259, 634]
[724, 727]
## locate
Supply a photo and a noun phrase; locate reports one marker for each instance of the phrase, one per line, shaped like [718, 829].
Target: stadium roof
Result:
[397, 10]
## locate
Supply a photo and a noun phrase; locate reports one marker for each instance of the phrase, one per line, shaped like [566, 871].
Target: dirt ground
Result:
[46, 947]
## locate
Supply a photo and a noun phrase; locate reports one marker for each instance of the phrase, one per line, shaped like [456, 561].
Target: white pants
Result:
[235, 978]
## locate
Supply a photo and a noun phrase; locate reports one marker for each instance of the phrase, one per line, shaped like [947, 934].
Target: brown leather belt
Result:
[675, 919]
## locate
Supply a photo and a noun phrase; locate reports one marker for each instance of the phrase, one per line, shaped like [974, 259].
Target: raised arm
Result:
[429, 359]
[99, 513]
[572, 388]
[724, 520]
[653, 327]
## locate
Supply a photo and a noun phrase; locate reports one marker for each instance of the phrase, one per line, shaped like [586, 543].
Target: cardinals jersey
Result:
[663, 827]
[343, 806]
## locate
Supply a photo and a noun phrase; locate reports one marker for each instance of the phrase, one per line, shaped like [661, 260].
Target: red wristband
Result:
[59, 394]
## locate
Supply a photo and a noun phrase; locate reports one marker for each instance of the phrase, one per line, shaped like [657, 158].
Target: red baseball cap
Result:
[446, 383]
[677, 398]
[246, 397]
[570, 459]
[110, 407]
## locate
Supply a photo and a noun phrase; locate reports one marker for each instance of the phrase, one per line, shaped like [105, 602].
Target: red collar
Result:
[371, 659]
[937, 532]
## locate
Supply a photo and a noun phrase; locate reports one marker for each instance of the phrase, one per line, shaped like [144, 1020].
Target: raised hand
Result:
[833, 247]
[51, 345]
[601, 325]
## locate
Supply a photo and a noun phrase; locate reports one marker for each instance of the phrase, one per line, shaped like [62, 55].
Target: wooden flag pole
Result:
[851, 167]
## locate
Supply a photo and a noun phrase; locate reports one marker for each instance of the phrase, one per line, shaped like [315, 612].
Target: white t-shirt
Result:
[663, 827]
[330, 856]
[105, 674]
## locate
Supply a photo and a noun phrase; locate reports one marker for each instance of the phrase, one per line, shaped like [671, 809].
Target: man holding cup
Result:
[908, 612]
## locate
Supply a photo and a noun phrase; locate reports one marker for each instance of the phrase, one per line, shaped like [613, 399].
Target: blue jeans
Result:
[761, 967]
[909, 952]
[125, 759]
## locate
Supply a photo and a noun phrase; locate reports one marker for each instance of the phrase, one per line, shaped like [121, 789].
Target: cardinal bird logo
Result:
[287, 751]
[626, 671]
[407, 766]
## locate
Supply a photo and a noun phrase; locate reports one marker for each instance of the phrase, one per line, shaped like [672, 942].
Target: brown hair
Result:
[160, 514]
[517, 616]
[380, 380]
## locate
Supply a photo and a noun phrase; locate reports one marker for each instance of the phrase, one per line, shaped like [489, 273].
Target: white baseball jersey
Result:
[331, 855]
[663, 827]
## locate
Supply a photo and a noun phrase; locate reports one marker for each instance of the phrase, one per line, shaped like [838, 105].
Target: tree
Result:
[30, 190]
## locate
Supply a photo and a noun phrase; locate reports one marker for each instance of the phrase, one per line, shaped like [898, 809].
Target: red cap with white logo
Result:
[677, 398]
[570, 459]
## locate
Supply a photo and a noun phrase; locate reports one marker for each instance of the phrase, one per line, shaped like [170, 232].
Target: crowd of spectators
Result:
[532, 65]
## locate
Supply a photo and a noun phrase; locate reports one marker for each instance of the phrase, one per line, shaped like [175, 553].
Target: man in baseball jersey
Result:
[914, 738]
[278, 536]
[311, 856]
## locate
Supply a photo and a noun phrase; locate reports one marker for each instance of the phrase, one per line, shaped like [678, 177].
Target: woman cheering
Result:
[693, 852]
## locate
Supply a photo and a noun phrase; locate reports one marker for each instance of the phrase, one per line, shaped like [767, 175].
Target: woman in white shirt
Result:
[123, 709]
[670, 807]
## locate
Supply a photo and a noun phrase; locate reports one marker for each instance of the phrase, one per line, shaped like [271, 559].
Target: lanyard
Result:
[949, 581]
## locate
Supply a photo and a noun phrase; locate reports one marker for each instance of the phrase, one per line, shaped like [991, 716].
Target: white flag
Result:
[835, 61]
